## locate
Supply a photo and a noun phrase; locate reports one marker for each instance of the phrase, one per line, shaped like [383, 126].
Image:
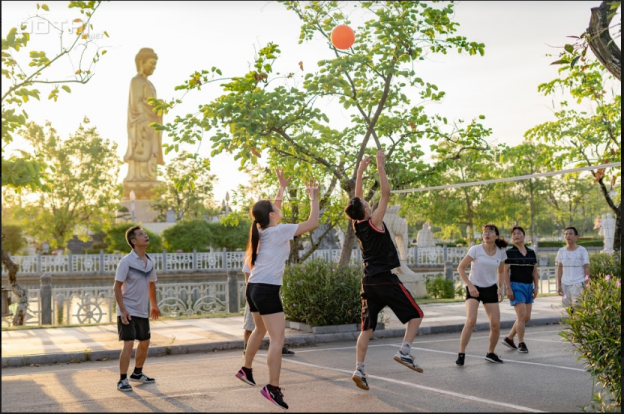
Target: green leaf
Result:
[45, 7]
[574, 61]
[66, 88]
[106, 34]
[569, 48]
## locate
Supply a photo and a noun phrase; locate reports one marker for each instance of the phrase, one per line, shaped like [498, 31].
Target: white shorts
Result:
[572, 293]
[248, 323]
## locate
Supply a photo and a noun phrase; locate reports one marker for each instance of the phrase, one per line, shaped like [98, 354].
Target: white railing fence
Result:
[168, 262]
[95, 305]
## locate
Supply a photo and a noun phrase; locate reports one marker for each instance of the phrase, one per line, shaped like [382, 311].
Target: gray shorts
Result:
[572, 293]
[248, 323]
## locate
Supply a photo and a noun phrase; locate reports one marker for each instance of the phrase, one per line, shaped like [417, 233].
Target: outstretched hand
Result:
[283, 181]
[312, 189]
[381, 158]
[364, 163]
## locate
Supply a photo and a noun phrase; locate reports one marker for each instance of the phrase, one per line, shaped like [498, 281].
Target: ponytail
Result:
[260, 212]
[252, 245]
[500, 242]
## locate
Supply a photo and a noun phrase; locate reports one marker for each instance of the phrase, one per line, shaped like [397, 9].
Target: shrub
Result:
[440, 288]
[602, 264]
[188, 235]
[319, 293]
[594, 327]
[12, 239]
[116, 239]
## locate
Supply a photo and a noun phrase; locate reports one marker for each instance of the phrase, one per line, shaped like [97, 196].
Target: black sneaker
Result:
[275, 396]
[460, 360]
[245, 375]
[509, 342]
[287, 352]
[141, 378]
[492, 357]
[124, 386]
[523, 348]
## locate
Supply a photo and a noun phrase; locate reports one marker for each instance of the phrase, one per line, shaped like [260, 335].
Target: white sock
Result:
[359, 366]
[405, 348]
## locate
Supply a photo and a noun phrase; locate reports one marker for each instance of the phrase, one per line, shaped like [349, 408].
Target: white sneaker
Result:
[408, 361]
[360, 379]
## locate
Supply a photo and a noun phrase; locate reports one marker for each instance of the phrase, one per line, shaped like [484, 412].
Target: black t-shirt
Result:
[521, 267]
[378, 251]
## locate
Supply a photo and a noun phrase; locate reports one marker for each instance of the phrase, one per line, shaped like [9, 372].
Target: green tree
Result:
[527, 158]
[83, 185]
[26, 170]
[464, 207]
[13, 238]
[115, 239]
[586, 137]
[231, 237]
[187, 188]
[283, 115]
[188, 235]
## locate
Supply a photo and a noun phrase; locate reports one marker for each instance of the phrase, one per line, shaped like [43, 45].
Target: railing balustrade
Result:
[168, 262]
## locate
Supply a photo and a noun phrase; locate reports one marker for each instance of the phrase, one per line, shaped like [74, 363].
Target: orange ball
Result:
[342, 37]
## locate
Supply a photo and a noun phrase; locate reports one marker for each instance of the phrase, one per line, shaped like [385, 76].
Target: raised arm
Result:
[380, 211]
[283, 183]
[312, 189]
[359, 192]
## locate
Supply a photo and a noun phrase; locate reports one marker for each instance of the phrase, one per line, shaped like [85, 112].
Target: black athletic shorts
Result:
[138, 329]
[264, 298]
[385, 289]
[486, 294]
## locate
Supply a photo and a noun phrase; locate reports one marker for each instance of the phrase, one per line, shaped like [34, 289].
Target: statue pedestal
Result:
[413, 282]
[143, 192]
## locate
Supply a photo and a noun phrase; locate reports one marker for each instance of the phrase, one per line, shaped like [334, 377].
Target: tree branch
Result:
[600, 40]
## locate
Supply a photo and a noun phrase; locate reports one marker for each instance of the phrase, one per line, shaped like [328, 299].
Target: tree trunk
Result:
[600, 40]
[347, 247]
[22, 294]
[349, 239]
[617, 236]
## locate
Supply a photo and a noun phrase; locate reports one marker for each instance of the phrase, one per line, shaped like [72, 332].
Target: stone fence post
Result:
[448, 271]
[232, 284]
[46, 300]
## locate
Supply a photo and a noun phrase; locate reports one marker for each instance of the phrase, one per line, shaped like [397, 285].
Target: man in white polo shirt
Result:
[572, 268]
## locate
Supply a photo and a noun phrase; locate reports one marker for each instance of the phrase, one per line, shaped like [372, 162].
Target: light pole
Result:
[132, 198]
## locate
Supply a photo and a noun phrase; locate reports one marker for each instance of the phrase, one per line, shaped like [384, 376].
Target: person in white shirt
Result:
[572, 268]
[248, 323]
[483, 285]
[267, 252]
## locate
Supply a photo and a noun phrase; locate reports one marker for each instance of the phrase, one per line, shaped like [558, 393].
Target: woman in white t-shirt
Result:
[267, 252]
[483, 285]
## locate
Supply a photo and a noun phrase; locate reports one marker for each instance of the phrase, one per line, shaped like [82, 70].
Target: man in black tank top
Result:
[380, 287]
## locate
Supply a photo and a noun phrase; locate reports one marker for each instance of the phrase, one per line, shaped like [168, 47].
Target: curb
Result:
[294, 340]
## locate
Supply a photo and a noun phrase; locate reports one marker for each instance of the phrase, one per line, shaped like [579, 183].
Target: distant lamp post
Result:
[132, 198]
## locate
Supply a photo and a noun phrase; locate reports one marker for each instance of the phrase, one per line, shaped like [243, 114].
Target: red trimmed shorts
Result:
[385, 289]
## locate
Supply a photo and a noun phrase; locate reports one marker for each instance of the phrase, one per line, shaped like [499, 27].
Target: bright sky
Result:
[189, 36]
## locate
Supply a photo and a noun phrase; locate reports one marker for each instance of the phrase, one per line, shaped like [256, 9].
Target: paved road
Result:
[317, 379]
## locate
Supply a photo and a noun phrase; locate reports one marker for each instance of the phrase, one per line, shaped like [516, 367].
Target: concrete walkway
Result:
[63, 345]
